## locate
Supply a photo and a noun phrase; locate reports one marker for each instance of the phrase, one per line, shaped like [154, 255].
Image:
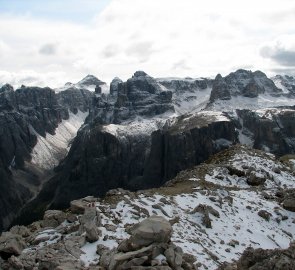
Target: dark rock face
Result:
[141, 95]
[76, 99]
[251, 90]
[186, 85]
[272, 129]
[114, 87]
[99, 161]
[242, 82]
[220, 89]
[12, 196]
[25, 113]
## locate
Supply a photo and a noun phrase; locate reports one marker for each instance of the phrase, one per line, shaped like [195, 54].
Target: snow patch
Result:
[50, 149]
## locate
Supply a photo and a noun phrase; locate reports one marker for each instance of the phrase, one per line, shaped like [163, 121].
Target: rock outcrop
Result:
[242, 83]
[148, 246]
[269, 129]
[260, 259]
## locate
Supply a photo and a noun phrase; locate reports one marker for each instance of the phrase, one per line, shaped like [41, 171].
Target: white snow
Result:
[191, 102]
[105, 88]
[50, 150]
[135, 128]
[278, 82]
[89, 253]
[262, 101]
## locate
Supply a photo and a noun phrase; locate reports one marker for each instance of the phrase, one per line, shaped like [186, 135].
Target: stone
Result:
[20, 230]
[11, 244]
[53, 218]
[255, 180]
[260, 259]
[79, 206]
[92, 232]
[15, 263]
[154, 229]
[289, 203]
[134, 262]
[265, 215]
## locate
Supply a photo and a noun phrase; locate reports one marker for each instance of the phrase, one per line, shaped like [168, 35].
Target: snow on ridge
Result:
[135, 128]
[262, 101]
[50, 150]
[218, 116]
[165, 79]
[279, 84]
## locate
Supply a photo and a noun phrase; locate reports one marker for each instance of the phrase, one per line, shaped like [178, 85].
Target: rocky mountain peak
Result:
[139, 73]
[220, 89]
[6, 88]
[115, 86]
[90, 80]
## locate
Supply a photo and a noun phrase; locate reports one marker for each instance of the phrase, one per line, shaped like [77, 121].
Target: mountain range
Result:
[212, 156]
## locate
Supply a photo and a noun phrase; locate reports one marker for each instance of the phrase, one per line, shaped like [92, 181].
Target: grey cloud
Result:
[110, 51]
[181, 65]
[285, 71]
[48, 49]
[140, 49]
[279, 55]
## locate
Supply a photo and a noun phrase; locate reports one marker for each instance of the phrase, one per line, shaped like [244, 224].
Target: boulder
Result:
[289, 204]
[89, 223]
[154, 229]
[53, 218]
[11, 244]
[256, 179]
[92, 232]
[265, 215]
[79, 206]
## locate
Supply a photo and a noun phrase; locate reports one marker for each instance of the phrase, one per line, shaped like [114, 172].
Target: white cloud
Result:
[162, 37]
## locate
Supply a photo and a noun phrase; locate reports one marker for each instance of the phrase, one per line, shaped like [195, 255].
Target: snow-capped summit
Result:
[90, 83]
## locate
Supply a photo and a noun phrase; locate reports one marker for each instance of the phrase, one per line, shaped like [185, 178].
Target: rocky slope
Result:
[240, 201]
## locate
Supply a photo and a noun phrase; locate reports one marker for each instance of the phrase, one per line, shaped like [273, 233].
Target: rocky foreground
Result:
[236, 211]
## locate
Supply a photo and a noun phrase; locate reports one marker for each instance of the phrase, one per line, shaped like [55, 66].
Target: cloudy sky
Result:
[53, 42]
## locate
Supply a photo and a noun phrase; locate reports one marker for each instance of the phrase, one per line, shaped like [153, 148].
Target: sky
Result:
[49, 43]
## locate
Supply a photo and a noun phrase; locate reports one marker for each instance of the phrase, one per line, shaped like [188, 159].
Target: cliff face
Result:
[135, 156]
[28, 116]
[271, 130]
